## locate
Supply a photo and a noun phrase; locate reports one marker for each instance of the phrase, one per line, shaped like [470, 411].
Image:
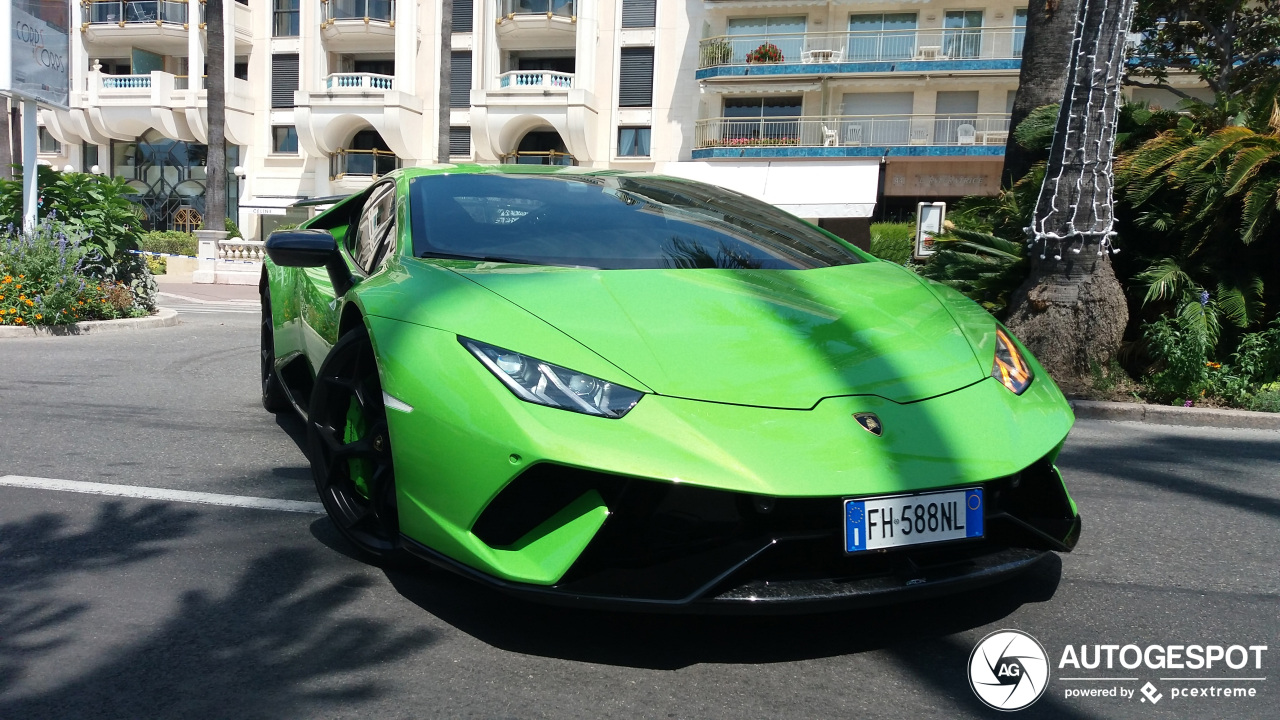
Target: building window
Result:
[459, 141]
[241, 70]
[639, 13]
[635, 77]
[463, 16]
[460, 80]
[633, 141]
[284, 139]
[771, 120]
[284, 79]
[746, 35]
[1019, 31]
[286, 18]
[88, 156]
[48, 143]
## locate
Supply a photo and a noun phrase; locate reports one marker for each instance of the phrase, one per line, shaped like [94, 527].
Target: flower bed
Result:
[48, 278]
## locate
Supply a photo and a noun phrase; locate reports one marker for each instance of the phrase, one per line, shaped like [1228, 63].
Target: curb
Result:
[165, 317]
[1173, 415]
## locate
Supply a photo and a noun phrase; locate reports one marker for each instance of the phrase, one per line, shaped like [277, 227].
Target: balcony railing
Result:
[126, 82]
[367, 10]
[853, 131]
[991, 43]
[123, 12]
[358, 82]
[369, 163]
[561, 8]
[539, 157]
[535, 80]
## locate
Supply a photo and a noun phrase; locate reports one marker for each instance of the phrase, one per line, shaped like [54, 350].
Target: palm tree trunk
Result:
[215, 195]
[1046, 57]
[446, 74]
[1071, 311]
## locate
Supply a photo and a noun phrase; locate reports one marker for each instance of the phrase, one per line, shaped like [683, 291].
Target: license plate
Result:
[875, 523]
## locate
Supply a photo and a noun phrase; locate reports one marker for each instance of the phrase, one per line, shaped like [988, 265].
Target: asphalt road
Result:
[130, 608]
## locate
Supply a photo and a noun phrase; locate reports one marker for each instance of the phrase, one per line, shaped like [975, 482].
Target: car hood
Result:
[766, 338]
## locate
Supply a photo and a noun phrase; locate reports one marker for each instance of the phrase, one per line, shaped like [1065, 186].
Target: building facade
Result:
[834, 110]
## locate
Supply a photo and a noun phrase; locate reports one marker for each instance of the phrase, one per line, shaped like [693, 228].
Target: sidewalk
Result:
[183, 287]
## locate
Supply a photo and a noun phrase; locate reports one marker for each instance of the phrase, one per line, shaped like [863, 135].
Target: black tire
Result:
[351, 450]
[274, 398]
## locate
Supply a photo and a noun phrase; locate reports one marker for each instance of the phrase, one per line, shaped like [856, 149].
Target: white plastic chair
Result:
[829, 138]
[966, 134]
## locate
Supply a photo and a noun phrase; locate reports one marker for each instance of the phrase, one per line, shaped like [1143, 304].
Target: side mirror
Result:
[301, 248]
[310, 248]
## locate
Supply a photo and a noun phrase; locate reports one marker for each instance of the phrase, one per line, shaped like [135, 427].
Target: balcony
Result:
[520, 101]
[537, 24]
[852, 136]
[124, 107]
[359, 25]
[358, 83]
[355, 164]
[347, 102]
[830, 53]
[535, 80]
[159, 27]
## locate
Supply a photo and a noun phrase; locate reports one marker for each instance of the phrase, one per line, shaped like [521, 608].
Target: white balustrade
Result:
[358, 82]
[243, 250]
[535, 80]
[126, 82]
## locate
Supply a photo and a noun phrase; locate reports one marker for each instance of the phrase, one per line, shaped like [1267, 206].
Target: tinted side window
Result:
[377, 227]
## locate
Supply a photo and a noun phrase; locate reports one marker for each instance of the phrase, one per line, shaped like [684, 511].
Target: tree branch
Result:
[1157, 86]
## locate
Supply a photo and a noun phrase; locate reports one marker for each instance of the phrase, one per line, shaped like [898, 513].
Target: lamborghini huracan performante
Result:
[628, 390]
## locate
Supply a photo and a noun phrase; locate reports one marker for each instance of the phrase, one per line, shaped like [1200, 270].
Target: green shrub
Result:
[170, 242]
[1267, 400]
[95, 205]
[45, 279]
[157, 264]
[893, 241]
[1181, 366]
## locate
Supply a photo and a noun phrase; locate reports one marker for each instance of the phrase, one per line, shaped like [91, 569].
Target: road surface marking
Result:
[188, 298]
[150, 493]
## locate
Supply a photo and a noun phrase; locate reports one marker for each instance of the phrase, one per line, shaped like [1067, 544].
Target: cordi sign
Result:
[34, 50]
[1009, 670]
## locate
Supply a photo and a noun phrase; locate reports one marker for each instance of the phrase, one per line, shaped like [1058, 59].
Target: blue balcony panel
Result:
[850, 152]
[841, 68]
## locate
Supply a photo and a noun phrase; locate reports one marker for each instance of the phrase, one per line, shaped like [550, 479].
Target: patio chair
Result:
[966, 134]
[829, 138]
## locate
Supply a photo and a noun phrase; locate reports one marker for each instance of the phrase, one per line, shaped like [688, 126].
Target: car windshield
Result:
[610, 222]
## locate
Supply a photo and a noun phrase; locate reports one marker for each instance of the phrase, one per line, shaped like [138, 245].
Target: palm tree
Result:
[215, 195]
[1071, 311]
[1046, 55]
[446, 73]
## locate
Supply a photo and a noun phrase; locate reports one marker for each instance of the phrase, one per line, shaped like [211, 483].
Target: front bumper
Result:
[679, 549]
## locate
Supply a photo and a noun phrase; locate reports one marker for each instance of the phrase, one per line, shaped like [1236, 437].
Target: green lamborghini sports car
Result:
[628, 390]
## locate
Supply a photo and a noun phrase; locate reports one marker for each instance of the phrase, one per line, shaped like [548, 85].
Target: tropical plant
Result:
[984, 267]
[1042, 76]
[169, 242]
[95, 204]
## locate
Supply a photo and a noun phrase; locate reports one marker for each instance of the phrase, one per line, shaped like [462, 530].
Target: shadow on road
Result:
[276, 645]
[1152, 462]
[669, 642]
[36, 551]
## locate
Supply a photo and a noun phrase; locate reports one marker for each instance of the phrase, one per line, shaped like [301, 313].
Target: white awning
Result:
[809, 189]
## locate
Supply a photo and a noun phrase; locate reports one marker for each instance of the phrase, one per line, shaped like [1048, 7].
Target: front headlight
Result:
[1010, 368]
[545, 384]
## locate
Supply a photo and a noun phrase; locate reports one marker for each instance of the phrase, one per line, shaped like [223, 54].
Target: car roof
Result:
[505, 169]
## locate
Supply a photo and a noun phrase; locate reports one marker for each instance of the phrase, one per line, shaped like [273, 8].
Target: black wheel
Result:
[274, 398]
[351, 449]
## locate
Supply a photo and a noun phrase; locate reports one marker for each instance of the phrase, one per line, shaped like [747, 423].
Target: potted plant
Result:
[717, 52]
[766, 53]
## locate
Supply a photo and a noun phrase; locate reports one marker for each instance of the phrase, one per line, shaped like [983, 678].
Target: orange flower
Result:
[19, 286]
[21, 276]
[7, 279]
[18, 320]
[39, 316]
[29, 303]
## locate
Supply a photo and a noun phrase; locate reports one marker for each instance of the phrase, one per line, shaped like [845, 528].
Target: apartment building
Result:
[833, 110]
